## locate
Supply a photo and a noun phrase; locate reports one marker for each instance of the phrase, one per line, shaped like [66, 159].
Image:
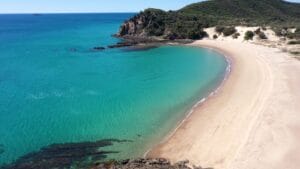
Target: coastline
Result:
[222, 131]
[212, 94]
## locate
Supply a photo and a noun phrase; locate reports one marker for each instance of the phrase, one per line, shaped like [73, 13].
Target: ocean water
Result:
[55, 89]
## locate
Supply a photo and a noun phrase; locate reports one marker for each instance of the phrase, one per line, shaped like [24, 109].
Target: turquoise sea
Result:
[55, 89]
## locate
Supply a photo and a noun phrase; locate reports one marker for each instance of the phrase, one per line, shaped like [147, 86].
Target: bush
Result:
[262, 35]
[278, 32]
[229, 31]
[291, 35]
[171, 36]
[215, 36]
[249, 35]
[257, 31]
[219, 29]
[296, 42]
[295, 35]
[281, 32]
[236, 35]
[295, 53]
[197, 34]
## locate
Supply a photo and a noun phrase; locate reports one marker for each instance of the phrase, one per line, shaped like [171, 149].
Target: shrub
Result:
[278, 32]
[262, 35]
[219, 29]
[296, 34]
[236, 35]
[295, 53]
[257, 31]
[291, 35]
[281, 32]
[215, 36]
[197, 34]
[295, 42]
[229, 31]
[171, 36]
[249, 35]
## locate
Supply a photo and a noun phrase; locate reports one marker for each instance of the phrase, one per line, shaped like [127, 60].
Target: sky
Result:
[78, 6]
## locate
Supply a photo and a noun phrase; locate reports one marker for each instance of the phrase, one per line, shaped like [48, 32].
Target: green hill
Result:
[262, 11]
[189, 21]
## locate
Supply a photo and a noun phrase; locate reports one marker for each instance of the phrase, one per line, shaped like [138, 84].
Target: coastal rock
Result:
[123, 162]
[87, 155]
[182, 163]
[142, 163]
[123, 44]
[134, 26]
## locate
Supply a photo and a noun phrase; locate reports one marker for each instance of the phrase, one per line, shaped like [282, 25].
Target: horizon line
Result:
[43, 13]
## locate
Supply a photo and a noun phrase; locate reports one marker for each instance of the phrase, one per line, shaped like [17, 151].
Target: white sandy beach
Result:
[254, 120]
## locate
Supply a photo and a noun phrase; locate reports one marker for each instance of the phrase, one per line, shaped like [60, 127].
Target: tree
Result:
[249, 35]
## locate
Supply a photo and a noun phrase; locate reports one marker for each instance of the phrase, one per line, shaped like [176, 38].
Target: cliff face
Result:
[167, 25]
[147, 23]
[133, 27]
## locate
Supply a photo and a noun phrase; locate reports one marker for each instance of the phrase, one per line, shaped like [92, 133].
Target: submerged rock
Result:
[123, 44]
[98, 48]
[73, 50]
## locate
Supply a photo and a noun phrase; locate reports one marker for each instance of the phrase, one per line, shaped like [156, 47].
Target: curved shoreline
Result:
[253, 121]
[158, 150]
[198, 104]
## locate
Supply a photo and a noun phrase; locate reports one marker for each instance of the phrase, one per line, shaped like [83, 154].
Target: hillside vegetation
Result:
[188, 22]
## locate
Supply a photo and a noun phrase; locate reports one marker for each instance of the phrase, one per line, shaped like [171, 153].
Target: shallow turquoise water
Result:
[54, 89]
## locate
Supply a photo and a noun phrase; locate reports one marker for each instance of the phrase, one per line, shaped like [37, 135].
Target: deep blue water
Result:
[55, 89]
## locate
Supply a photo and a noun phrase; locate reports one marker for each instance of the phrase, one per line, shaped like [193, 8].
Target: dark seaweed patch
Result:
[1, 147]
[65, 155]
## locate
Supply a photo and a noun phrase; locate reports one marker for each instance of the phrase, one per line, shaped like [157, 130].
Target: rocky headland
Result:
[193, 22]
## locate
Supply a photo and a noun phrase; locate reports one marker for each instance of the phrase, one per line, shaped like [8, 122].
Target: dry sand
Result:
[254, 120]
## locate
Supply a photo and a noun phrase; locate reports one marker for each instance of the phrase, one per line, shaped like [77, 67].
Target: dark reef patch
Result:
[65, 155]
[141, 47]
[98, 48]
[1, 147]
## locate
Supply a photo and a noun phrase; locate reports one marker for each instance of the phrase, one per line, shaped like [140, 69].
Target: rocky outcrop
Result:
[142, 163]
[123, 44]
[133, 27]
[161, 24]
[137, 25]
[88, 155]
